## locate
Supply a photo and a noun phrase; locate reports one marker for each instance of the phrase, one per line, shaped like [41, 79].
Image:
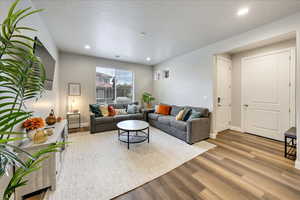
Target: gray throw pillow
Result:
[195, 115]
[132, 109]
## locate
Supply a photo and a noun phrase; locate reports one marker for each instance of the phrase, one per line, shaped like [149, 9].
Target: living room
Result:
[149, 100]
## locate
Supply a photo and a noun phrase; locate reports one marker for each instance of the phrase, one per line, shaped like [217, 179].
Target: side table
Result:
[290, 144]
[71, 115]
[146, 111]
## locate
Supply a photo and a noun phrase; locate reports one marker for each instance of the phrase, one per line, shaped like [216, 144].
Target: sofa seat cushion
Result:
[181, 125]
[119, 118]
[137, 116]
[166, 119]
[103, 120]
[153, 116]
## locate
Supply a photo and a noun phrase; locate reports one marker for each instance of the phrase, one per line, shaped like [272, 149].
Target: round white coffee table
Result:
[133, 131]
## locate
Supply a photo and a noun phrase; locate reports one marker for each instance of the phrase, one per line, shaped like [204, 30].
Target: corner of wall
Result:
[236, 128]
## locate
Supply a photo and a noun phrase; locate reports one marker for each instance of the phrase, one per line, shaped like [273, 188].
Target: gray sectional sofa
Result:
[100, 124]
[190, 131]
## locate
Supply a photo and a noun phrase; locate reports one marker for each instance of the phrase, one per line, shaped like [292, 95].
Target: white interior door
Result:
[266, 94]
[223, 114]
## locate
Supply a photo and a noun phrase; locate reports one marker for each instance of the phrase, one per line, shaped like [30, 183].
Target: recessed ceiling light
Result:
[243, 11]
[148, 58]
[87, 46]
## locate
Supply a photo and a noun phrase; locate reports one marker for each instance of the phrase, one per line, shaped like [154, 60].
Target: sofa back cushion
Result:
[175, 110]
[163, 109]
[119, 106]
[123, 105]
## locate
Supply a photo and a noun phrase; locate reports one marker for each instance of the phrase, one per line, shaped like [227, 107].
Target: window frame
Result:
[114, 69]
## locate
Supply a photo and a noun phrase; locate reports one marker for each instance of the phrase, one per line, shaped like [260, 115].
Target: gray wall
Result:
[82, 69]
[190, 82]
[236, 75]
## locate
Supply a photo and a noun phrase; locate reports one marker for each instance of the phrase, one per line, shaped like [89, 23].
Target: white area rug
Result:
[99, 166]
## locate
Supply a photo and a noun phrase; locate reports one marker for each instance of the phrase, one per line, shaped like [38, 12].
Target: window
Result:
[113, 86]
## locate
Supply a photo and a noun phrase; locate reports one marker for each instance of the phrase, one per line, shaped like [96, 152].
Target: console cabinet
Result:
[47, 176]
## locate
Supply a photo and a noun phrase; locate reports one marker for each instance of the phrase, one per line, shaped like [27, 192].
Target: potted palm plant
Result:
[22, 77]
[148, 98]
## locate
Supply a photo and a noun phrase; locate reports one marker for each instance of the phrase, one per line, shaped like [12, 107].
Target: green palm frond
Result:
[22, 73]
[31, 166]
[22, 77]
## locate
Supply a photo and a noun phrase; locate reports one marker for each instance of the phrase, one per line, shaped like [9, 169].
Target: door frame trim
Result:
[292, 51]
[216, 96]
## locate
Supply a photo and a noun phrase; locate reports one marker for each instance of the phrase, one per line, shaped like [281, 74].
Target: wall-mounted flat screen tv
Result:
[48, 62]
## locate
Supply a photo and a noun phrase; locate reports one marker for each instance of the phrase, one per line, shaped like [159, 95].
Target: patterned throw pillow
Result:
[186, 114]
[104, 110]
[121, 112]
[94, 108]
[179, 115]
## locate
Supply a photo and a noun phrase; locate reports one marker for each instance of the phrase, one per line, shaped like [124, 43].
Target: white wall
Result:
[192, 74]
[236, 75]
[82, 69]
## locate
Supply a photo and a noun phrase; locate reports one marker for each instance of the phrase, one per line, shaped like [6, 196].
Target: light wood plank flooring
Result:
[241, 167]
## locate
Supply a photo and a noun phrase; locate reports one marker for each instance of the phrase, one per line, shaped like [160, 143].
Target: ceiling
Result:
[173, 27]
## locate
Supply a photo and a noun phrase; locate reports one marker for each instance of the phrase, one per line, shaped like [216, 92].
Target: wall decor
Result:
[74, 89]
[166, 74]
[157, 75]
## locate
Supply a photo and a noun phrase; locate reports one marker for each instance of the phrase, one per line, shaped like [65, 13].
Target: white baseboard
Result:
[297, 164]
[85, 124]
[236, 128]
[213, 135]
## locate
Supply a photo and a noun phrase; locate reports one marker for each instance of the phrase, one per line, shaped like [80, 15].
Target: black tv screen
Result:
[48, 62]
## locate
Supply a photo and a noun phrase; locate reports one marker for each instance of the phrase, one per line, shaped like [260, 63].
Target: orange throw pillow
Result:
[111, 111]
[163, 109]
